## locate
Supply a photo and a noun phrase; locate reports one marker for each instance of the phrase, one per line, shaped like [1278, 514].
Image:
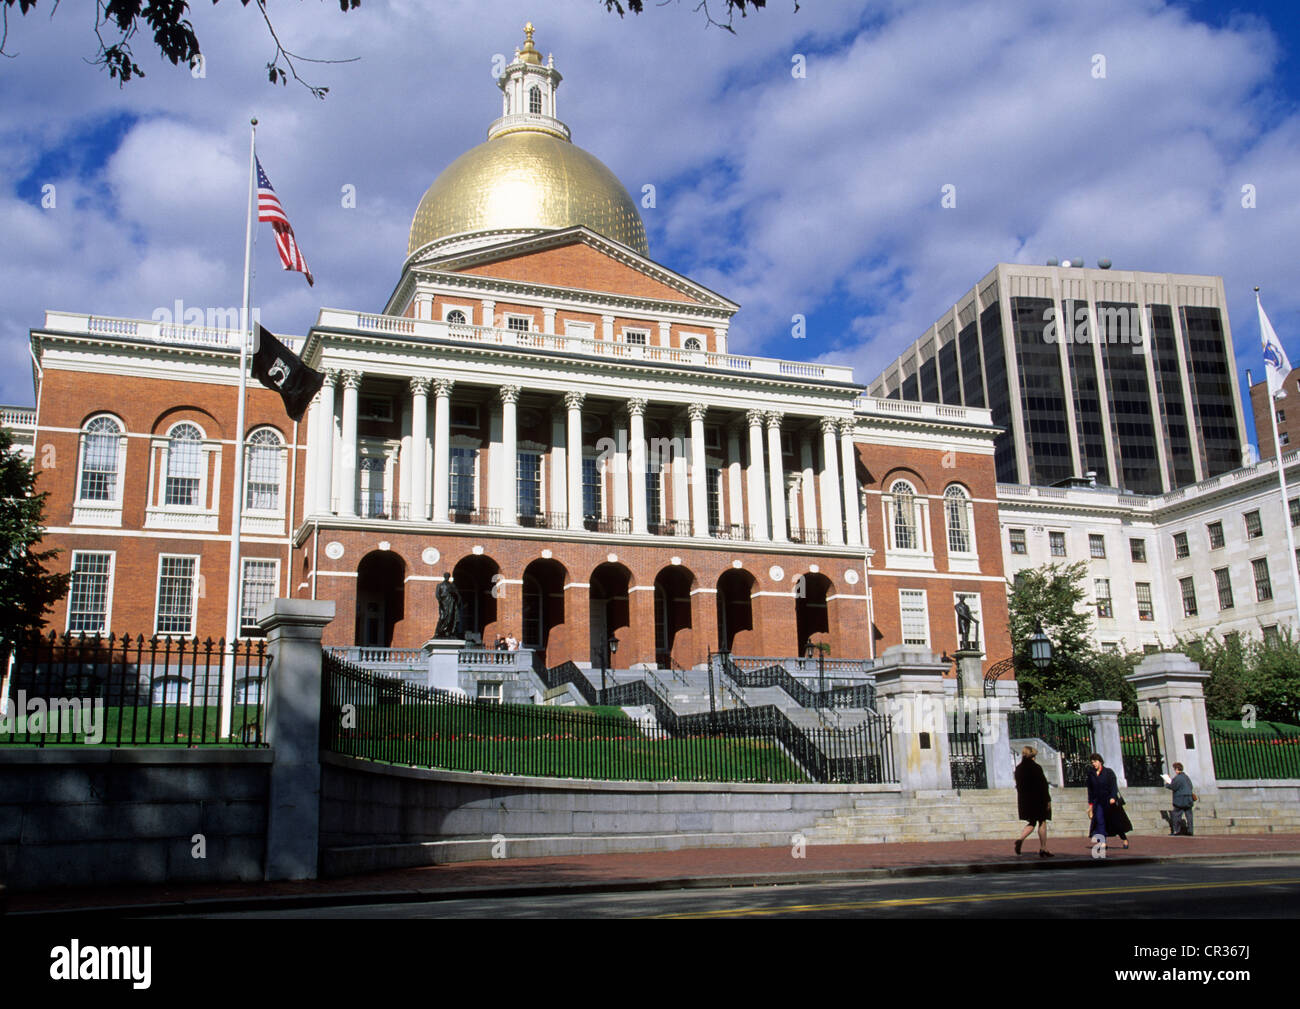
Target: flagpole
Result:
[1281, 479]
[237, 511]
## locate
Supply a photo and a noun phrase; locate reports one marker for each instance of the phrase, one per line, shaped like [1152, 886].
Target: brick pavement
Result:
[722, 866]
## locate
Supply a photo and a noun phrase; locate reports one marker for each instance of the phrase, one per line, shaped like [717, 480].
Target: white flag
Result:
[1276, 365]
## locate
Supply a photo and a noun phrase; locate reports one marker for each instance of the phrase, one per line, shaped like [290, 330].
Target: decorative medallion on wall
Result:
[385, 545]
[612, 558]
[334, 550]
[851, 577]
[477, 551]
[776, 573]
[547, 555]
[676, 560]
[430, 556]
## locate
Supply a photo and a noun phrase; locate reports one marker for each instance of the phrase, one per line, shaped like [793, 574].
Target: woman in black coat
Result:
[1105, 807]
[1033, 800]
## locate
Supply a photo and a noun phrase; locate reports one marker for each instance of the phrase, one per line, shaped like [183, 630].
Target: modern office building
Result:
[1124, 375]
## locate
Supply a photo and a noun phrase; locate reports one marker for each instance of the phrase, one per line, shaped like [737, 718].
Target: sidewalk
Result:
[656, 870]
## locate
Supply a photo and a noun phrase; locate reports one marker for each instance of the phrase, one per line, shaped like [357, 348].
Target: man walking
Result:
[1184, 797]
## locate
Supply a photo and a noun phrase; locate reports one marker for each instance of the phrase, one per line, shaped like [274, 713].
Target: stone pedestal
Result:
[999, 760]
[1103, 716]
[970, 670]
[1171, 689]
[910, 688]
[444, 663]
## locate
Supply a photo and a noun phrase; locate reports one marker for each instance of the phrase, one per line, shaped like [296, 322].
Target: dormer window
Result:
[692, 343]
[456, 317]
[535, 100]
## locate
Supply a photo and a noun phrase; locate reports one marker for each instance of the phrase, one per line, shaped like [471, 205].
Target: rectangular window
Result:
[1284, 437]
[1104, 607]
[175, 611]
[1181, 549]
[490, 691]
[371, 504]
[1281, 416]
[713, 485]
[1110, 647]
[1057, 543]
[1138, 550]
[529, 484]
[375, 408]
[1188, 587]
[1146, 609]
[1295, 511]
[99, 463]
[1224, 583]
[1270, 634]
[637, 337]
[463, 483]
[1097, 544]
[519, 323]
[592, 498]
[88, 593]
[915, 619]
[184, 467]
[1216, 535]
[263, 476]
[1263, 586]
[1018, 541]
[260, 578]
[653, 513]
[1254, 527]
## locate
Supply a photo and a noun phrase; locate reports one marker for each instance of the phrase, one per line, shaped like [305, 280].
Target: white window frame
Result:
[1065, 543]
[266, 520]
[967, 560]
[517, 317]
[452, 422]
[627, 332]
[1151, 600]
[108, 589]
[465, 310]
[921, 556]
[925, 612]
[244, 562]
[595, 457]
[494, 694]
[1108, 598]
[90, 511]
[543, 501]
[469, 444]
[204, 515]
[195, 582]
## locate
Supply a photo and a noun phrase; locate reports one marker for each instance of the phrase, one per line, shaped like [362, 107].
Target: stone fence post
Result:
[909, 684]
[293, 631]
[1103, 716]
[1171, 689]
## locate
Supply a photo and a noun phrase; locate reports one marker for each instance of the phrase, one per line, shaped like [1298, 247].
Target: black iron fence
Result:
[859, 695]
[1264, 750]
[135, 691]
[1070, 736]
[1139, 740]
[368, 716]
[966, 752]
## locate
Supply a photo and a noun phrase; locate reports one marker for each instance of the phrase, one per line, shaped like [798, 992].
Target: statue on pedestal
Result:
[965, 621]
[448, 608]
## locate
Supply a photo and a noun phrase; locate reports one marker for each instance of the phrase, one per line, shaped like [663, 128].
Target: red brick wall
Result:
[579, 266]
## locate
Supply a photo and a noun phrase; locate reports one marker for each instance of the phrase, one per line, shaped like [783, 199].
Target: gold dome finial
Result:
[529, 53]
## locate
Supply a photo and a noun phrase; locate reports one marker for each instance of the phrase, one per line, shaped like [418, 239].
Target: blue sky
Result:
[816, 195]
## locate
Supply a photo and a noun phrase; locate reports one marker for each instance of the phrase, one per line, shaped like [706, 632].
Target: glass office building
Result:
[1123, 375]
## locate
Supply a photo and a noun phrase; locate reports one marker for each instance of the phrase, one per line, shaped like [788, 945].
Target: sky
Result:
[799, 166]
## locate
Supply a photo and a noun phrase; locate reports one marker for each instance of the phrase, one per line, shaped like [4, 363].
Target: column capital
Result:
[331, 377]
[774, 419]
[696, 411]
[420, 385]
[509, 393]
[350, 379]
[829, 425]
[442, 387]
[573, 399]
[846, 425]
[793, 481]
[636, 407]
[755, 417]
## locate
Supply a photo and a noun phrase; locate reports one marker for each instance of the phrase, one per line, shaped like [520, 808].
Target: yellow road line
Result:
[1090, 891]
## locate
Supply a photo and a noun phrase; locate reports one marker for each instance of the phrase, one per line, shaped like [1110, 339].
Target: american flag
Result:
[269, 209]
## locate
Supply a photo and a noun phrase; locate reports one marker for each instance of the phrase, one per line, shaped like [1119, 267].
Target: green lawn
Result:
[1268, 750]
[175, 725]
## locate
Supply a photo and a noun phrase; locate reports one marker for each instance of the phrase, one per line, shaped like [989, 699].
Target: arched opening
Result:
[735, 610]
[672, 610]
[473, 577]
[609, 610]
[543, 608]
[381, 598]
[811, 618]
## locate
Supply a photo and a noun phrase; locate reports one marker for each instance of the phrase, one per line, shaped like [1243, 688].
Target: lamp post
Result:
[1040, 647]
[607, 658]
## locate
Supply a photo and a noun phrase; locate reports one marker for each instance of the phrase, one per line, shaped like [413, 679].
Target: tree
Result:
[1050, 597]
[1261, 673]
[27, 590]
[175, 38]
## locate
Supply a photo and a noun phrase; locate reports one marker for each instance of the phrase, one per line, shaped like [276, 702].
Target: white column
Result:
[699, 471]
[424, 306]
[489, 309]
[681, 490]
[559, 464]
[757, 490]
[830, 486]
[849, 465]
[509, 456]
[620, 469]
[548, 320]
[325, 445]
[418, 480]
[573, 403]
[809, 518]
[348, 456]
[737, 508]
[720, 339]
[636, 446]
[792, 483]
[404, 463]
[665, 334]
[607, 327]
[441, 449]
[776, 477]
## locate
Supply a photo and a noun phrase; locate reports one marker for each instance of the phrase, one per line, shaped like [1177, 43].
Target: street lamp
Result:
[607, 659]
[1040, 647]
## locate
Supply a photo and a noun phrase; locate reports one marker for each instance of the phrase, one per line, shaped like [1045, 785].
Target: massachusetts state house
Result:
[544, 412]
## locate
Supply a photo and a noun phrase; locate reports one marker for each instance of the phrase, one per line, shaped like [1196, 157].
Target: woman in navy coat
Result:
[1105, 808]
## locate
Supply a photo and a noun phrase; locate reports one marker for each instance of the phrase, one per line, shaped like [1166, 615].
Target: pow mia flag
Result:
[280, 369]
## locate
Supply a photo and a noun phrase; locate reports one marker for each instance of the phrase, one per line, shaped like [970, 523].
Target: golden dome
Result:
[526, 181]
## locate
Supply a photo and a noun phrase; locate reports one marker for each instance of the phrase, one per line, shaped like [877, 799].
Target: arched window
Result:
[100, 444]
[456, 317]
[956, 504]
[184, 466]
[264, 451]
[904, 516]
[535, 100]
[692, 343]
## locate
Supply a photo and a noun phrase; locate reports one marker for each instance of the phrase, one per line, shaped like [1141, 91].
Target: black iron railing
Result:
[672, 527]
[592, 524]
[475, 516]
[1264, 750]
[1068, 735]
[374, 506]
[1140, 745]
[544, 520]
[809, 537]
[861, 695]
[135, 691]
[734, 531]
[966, 752]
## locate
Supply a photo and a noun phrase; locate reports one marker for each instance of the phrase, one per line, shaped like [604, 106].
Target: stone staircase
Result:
[991, 814]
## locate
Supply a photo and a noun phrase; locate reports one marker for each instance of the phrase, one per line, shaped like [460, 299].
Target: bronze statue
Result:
[448, 608]
[965, 620]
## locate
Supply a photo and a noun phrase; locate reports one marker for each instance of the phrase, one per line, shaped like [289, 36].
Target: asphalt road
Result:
[1227, 888]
